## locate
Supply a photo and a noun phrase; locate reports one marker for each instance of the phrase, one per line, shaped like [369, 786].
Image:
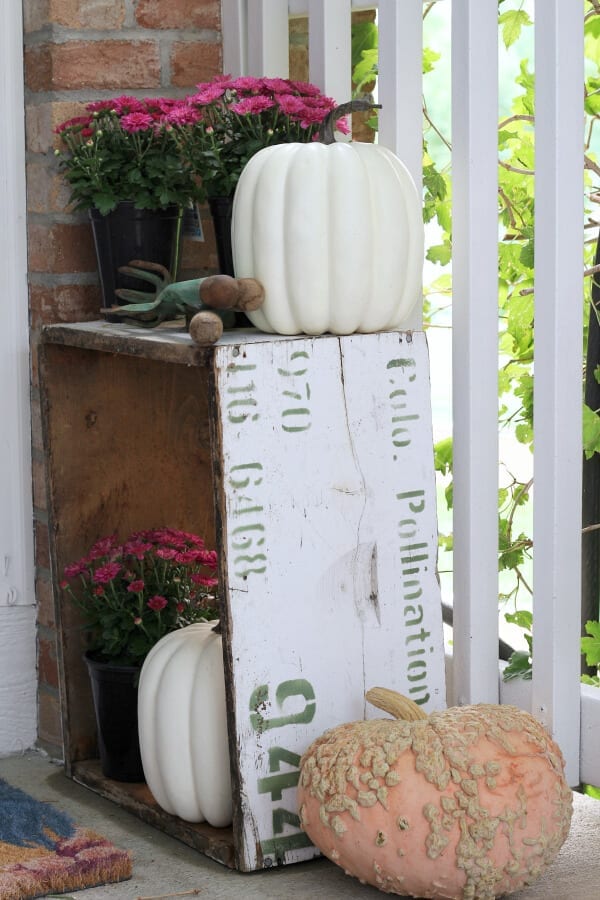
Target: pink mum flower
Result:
[135, 587]
[204, 580]
[247, 83]
[208, 558]
[189, 556]
[290, 104]
[76, 568]
[136, 121]
[84, 121]
[166, 553]
[100, 105]
[98, 591]
[303, 87]
[184, 114]
[126, 104]
[157, 603]
[136, 548]
[277, 85]
[103, 547]
[208, 94]
[252, 106]
[106, 573]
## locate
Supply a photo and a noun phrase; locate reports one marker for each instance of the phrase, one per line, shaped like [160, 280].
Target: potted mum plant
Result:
[221, 126]
[123, 166]
[131, 594]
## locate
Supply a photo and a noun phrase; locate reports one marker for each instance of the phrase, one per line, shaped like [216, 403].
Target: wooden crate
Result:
[307, 463]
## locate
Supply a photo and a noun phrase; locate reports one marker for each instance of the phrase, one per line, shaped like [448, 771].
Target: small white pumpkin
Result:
[183, 726]
[334, 233]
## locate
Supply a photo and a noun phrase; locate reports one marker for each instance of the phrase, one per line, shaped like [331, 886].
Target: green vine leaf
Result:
[591, 645]
[519, 666]
[512, 22]
[591, 431]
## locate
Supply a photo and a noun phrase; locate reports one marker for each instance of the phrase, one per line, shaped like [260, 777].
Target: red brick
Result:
[36, 15]
[107, 64]
[42, 550]
[102, 14]
[34, 337]
[60, 248]
[181, 14]
[49, 719]
[39, 483]
[64, 303]
[77, 65]
[45, 602]
[42, 118]
[38, 67]
[193, 61]
[47, 664]
[195, 257]
[38, 130]
[47, 190]
[37, 442]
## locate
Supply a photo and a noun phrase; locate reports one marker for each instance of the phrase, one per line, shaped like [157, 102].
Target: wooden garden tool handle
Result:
[224, 292]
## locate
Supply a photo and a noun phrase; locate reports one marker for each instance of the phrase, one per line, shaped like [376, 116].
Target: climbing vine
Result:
[516, 148]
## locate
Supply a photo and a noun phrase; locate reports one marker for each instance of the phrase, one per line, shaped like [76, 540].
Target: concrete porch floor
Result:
[162, 866]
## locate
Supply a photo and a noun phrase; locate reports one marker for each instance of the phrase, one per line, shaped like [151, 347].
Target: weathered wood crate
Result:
[307, 463]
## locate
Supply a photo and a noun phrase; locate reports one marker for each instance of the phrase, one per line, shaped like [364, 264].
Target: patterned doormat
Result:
[42, 851]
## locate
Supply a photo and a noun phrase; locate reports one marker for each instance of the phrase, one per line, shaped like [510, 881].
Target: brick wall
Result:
[77, 51]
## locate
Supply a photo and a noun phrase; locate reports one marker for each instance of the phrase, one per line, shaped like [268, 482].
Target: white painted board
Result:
[18, 679]
[331, 542]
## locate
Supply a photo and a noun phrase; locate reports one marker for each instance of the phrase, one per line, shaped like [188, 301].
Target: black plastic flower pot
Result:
[128, 233]
[115, 695]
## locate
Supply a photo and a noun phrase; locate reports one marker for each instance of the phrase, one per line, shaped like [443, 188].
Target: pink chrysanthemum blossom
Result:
[107, 572]
[247, 83]
[75, 569]
[208, 94]
[103, 547]
[77, 122]
[136, 121]
[166, 553]
[252, 106]
[100, 105]
[125, 104]
[204, 580]
[136, 586]
[183, 114]
[290, 104]
[277, 85]
[157, 602]
[303, 87]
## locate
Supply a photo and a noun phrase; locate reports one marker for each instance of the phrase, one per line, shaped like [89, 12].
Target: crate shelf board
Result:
[217, 843]
[168, 342]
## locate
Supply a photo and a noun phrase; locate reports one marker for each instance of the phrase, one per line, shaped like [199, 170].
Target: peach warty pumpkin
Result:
[470, 802]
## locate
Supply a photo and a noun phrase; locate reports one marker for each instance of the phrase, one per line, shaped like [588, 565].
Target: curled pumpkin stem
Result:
[395, 704]
[327, 135]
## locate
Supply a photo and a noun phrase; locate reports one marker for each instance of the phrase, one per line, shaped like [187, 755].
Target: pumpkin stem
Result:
[327, 135]
[395, 704]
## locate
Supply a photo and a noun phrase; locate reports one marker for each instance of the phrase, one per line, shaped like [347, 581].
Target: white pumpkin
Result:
[183, 726]
[334, 233]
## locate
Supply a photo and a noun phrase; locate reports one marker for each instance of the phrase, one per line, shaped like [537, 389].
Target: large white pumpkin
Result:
[334, 232]
[183, 726]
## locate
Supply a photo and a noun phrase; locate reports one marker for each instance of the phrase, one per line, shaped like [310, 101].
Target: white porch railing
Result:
[256, 43]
